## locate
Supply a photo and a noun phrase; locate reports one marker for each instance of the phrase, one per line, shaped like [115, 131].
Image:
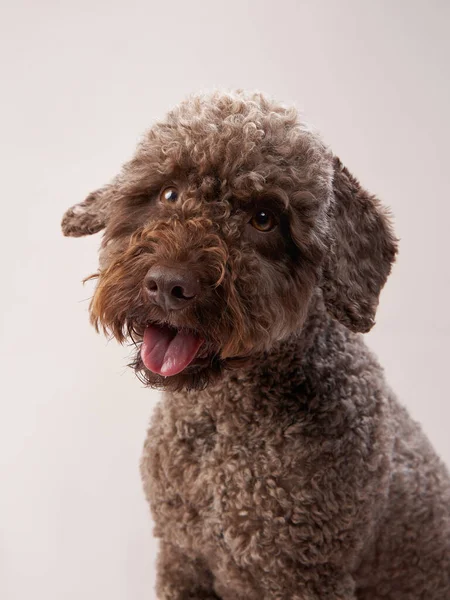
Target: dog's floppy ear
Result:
[363, 248]
[88, 216]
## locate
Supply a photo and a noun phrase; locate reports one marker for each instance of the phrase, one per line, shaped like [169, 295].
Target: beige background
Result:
[80, 82]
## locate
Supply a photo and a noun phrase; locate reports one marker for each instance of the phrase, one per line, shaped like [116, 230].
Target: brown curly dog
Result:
[243, 259]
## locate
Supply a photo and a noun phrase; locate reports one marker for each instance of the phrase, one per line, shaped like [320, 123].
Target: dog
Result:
[243, 260]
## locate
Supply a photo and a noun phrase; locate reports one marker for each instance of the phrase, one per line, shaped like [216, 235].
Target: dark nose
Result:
[171, 288]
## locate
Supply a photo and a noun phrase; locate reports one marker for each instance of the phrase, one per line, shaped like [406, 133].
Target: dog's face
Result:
[219, 231]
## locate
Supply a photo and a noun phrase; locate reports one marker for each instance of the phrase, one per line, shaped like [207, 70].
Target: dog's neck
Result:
[286, 361]
[281, 378]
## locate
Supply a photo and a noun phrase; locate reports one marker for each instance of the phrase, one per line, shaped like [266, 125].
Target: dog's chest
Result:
[203, 472]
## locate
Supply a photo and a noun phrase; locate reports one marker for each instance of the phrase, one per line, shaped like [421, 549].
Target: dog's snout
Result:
[171, 288]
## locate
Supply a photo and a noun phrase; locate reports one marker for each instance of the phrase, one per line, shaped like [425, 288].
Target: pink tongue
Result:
[168, 352]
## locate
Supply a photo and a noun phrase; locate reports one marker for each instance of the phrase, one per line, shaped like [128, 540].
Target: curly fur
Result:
[279, 465]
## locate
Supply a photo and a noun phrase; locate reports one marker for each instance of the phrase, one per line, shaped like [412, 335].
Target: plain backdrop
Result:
[80, 82]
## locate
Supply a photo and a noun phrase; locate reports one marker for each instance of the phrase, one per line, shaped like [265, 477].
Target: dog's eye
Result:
[169, 194]
[263, 220]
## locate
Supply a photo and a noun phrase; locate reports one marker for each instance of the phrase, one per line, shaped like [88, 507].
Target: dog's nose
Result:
[171, 288]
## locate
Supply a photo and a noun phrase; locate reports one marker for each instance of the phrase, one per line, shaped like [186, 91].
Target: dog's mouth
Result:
[167, 351]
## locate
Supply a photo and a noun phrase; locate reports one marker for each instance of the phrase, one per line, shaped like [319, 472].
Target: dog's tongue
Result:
[166, 351]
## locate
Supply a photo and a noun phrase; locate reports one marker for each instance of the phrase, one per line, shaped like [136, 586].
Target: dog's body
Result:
[298, 478]
[244, 259]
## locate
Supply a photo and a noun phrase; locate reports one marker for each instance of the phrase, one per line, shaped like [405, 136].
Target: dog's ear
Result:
[363, 248]
[89, 216]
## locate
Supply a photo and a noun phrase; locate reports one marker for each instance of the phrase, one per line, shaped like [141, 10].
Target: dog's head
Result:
[218, 232]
